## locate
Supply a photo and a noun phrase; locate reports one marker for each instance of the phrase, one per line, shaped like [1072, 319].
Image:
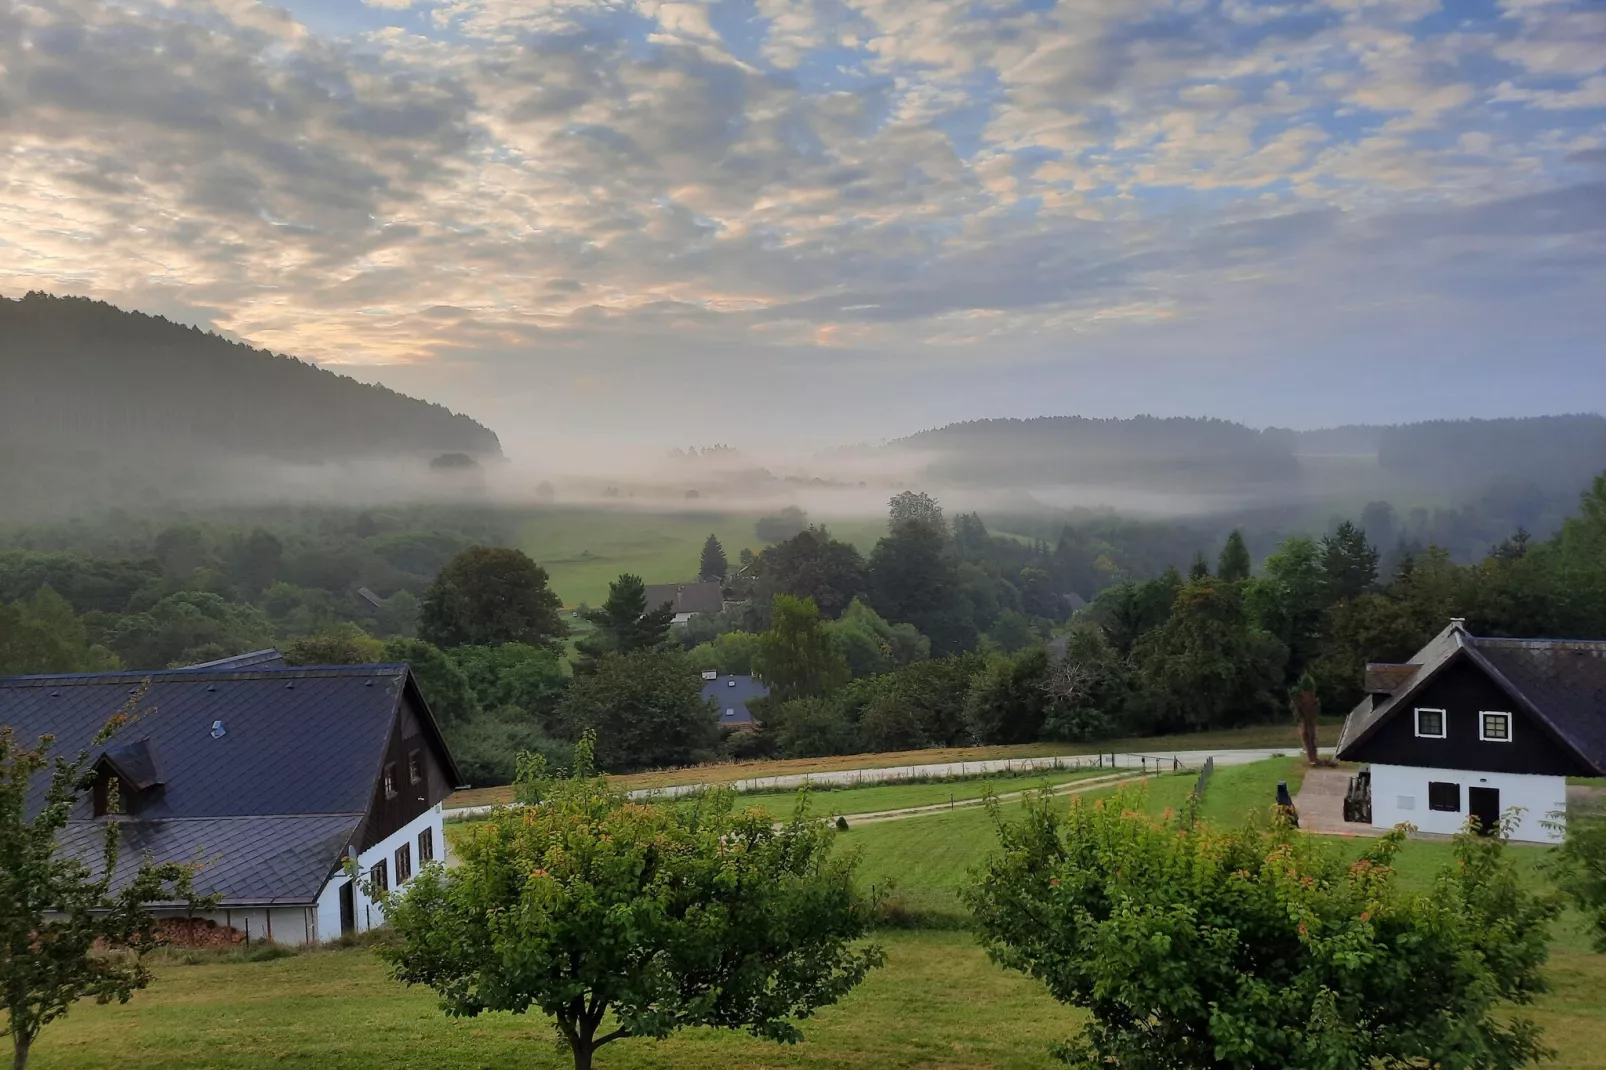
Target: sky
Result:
[821, 221]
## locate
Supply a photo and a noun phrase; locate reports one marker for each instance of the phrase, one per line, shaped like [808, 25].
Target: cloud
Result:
[550, 183]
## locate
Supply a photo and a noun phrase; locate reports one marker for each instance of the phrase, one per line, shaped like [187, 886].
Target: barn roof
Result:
[267, 767]
[687, 597]
[1561, 683]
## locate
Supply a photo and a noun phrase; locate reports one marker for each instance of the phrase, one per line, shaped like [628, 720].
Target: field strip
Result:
[1073, 787]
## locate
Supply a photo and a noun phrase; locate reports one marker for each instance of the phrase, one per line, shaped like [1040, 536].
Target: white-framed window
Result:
[1429, 723]
[1494, 727]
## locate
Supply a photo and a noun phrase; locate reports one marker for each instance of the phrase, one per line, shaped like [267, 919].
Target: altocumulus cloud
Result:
[471, 195]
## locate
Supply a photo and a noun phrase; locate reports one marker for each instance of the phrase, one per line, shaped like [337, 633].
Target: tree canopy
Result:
[589, 906]
[487, 595]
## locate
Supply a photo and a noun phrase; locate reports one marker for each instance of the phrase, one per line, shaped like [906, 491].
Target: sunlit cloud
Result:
[515, 188]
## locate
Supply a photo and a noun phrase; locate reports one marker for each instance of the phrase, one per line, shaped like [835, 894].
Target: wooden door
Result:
[1484, 804]
[348, 909]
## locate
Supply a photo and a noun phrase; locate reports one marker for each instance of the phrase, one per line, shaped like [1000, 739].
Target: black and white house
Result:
[1475, 726]
[270, 776]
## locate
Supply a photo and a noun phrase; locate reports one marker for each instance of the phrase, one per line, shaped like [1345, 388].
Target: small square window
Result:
[1494, 727]
[1444, 796]
[426, 846]
[1430, 723]
[415, 767]
[404, 862]
[390, 780]
[379, 876]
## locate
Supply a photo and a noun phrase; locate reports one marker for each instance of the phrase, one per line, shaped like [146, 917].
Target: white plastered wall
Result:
[1400, 795]
[368, 914]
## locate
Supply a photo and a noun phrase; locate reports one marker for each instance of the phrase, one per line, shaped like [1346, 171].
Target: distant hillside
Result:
[82, 375]
[1146, 451]
[1553, 455]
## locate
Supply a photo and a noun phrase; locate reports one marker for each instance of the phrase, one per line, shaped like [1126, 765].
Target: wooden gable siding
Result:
[387, 814]
[1463, 690]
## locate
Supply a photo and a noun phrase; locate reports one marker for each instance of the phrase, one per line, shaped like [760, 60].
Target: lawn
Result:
[339, 1010]
[938, 1003]
[583, 550]
[1256, 736]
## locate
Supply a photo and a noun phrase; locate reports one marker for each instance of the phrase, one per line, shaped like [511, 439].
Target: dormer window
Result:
[1430, 723]
[1494, 727]
[108, 794]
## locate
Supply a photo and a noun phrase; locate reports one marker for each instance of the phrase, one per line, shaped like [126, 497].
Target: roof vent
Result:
[218, 731]
[1458, 622]
[211, 687]
[55, 694]
[290, 686]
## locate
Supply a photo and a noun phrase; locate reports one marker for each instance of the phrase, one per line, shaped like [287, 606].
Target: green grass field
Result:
[867, 800]
[937, 1004]
[583, 550]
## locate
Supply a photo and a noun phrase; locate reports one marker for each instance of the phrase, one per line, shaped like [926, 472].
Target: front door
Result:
[348, 909]
[1484, 804]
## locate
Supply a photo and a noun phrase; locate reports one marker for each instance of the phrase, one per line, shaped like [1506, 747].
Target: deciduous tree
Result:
[646, 707]
[73, 925]
[1263, 949]
[796, 656]
[491, 594]
[589, 906]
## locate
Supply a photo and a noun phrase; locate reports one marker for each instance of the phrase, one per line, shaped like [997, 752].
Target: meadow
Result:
[585, 549]
[1254, 736]
[938, 1002]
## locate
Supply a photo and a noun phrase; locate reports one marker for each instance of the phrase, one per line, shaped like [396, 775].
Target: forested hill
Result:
[1073, 449]
[83, 375]
[1554, 454]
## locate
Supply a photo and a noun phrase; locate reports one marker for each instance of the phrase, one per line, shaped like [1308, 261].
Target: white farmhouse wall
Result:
[1400, 794]
[369, 914]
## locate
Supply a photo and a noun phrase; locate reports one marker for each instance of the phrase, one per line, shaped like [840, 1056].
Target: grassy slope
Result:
[1275, 735]
[338, 1010]
[583, 550]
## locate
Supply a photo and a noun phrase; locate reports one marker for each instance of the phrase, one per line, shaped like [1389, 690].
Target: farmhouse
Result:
[1474, 726]
[686, 598]
[270, 776]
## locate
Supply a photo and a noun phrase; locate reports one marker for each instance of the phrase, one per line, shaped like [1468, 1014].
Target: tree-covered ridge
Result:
[1539, 454]
[85, 375]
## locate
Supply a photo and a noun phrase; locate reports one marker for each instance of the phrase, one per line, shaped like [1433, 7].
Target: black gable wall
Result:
[387, 814]
[1463, 690]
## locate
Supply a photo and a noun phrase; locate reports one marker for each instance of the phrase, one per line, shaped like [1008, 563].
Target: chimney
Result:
[1458, 623]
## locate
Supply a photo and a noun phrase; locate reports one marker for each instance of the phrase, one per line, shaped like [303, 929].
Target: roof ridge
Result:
[195, 676]
[136, 820]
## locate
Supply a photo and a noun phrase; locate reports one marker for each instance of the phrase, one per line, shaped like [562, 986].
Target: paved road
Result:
[1163, 760]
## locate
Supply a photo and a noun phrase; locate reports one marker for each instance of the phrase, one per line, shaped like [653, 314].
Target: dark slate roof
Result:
[734, 693]
[135, 762]
[687, 597]
[249, 861]
[272, 799]
[1559, 682]
[294, 741]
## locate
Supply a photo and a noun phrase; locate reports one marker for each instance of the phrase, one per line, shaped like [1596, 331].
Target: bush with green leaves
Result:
[618, 919]
[1579, 868]
[1261, 948]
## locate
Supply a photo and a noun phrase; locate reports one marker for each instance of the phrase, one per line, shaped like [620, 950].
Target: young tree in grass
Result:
[1307, 707]
[74, 924]
[490, 594]
[590, 908]
[1263, 949]
[1579, 868]
[713, 564]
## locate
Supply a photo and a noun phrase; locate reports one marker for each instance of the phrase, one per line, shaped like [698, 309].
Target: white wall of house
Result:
[1400, 794]
[369, 914]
